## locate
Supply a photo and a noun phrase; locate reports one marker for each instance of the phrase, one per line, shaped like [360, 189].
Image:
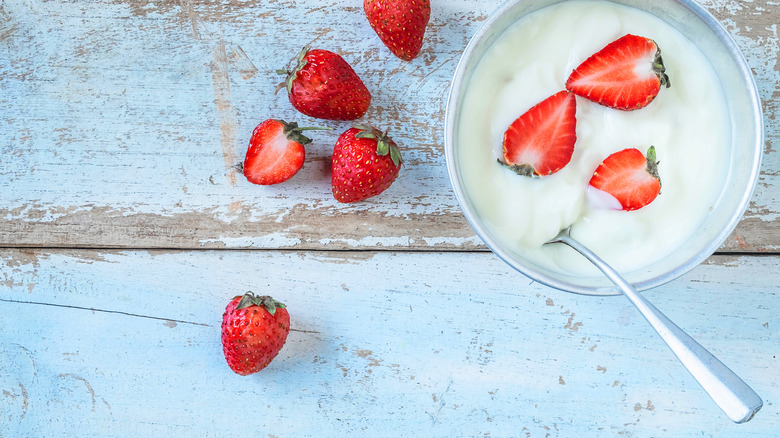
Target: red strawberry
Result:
[275, 152]
[629, 177]
[324, 86]
[365, 164]
[254, 329]
[400, 24]
[541, 141]
[626, 74]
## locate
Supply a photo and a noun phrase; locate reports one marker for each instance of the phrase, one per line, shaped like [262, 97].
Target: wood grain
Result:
[122, 121]
[115, 343]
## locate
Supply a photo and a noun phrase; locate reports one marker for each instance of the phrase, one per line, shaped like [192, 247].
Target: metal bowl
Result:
[747, 138]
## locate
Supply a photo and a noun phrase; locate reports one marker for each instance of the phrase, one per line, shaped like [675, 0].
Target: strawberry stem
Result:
[315, 128]
[294, 133]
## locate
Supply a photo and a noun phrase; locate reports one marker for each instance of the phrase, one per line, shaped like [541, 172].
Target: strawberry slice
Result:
[275, 152]
[628, 177]
[541, 141]
[627, 74]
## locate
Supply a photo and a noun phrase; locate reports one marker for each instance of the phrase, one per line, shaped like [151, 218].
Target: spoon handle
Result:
[730, 393]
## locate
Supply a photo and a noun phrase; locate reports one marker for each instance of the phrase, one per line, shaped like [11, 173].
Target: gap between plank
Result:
[316, 250]
[196, 249]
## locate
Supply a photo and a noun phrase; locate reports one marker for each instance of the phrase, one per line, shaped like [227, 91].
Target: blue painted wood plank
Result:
[107, 343]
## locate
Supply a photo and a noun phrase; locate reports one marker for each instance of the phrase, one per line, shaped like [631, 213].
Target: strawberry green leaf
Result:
[291, 75]
[651, 156]
[365, 134]
[395, 155]
[382, 147]
[384, 144]
[271, 304]
[250, 299]
[246, 301]
[303, 53]
[652, 163]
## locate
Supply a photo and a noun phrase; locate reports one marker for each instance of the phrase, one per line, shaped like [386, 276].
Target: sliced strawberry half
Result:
[627, 74]
[275, 152]
[541, 141]
[629, 177]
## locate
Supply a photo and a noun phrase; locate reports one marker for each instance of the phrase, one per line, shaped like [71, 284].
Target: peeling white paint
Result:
[456, 241]
[276, 240]
[368, 242]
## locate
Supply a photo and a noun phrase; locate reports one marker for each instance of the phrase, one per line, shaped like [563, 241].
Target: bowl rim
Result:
[455, 96]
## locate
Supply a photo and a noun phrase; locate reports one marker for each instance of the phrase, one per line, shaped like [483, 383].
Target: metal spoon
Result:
[730, 393]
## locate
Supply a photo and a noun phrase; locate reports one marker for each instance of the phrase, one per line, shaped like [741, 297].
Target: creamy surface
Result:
[688, 124]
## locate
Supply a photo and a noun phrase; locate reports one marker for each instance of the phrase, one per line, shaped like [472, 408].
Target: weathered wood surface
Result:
[114, 343]
[121, 122]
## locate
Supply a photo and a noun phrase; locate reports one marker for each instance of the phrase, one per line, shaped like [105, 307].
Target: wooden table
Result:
[125, 229]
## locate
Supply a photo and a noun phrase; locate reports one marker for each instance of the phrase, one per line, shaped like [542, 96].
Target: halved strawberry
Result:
[627, 74]
[628, 177]
[541, 141]
[275, 152]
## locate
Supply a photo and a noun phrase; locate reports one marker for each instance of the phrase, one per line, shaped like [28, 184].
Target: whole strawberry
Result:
[365, 163]
[324, 86]
[275, 152]
[400, 24]
[254, 329]
[627, 74]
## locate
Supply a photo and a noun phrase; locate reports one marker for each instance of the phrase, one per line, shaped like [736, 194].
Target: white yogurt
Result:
[688, 124]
